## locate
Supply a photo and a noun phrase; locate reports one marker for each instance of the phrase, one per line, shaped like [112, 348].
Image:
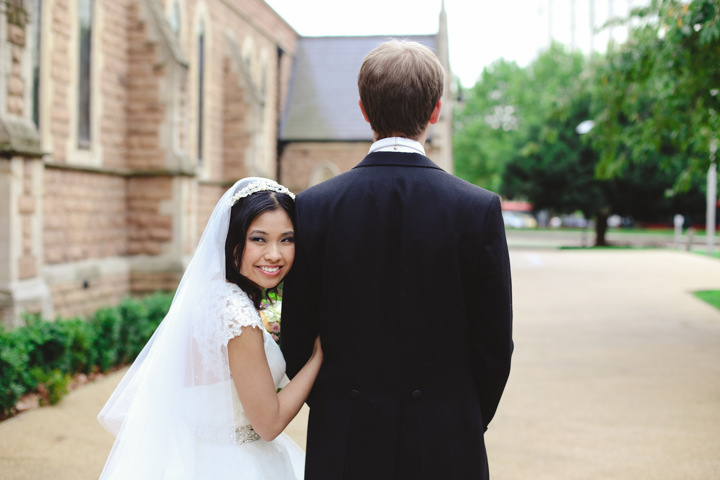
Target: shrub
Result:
[158, 305]
[47, 344]
[135, 318]
[43, 356]
[14, 377]
[81, 340]
[106, 323]
[52, 385]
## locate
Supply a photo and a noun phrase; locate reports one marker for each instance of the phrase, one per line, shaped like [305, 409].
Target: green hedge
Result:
[43, 356]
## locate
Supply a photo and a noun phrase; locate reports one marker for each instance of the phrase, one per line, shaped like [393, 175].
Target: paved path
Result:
[616, 375]
[617, 369]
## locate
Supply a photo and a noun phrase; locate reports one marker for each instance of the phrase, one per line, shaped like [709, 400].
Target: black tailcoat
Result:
[403, 270]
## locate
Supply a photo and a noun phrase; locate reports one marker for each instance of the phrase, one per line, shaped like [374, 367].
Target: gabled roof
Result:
[323, 97]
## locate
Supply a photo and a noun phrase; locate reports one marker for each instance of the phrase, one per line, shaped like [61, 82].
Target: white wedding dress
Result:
[280, 459]
[202, 432]
[249, 457]
[176, 413]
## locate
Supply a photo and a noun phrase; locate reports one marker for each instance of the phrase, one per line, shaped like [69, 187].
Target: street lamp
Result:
[584, 127]
[711, 199]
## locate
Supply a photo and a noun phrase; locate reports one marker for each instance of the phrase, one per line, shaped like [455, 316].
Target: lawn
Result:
[710, 296]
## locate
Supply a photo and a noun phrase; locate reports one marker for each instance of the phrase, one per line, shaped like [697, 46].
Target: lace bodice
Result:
[237, 312]
[240, 312]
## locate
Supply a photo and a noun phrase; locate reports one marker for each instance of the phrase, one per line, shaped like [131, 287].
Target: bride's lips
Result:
[270, 271]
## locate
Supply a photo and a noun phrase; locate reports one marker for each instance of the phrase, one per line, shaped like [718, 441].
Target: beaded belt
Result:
[238, 435]
[245, 434]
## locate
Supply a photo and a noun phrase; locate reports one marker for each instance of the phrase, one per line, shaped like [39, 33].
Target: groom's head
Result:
[401, 85]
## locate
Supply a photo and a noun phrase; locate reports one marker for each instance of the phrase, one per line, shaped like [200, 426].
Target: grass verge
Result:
[709, 296]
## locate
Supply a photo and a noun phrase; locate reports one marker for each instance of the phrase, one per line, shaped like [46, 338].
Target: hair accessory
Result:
[260, 185]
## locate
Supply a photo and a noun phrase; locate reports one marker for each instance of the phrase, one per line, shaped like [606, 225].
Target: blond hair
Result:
[400, 82]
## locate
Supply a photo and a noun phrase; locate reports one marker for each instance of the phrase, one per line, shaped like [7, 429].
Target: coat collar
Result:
[396, 159]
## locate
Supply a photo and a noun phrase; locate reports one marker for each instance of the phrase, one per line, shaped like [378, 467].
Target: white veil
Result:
[180, 383]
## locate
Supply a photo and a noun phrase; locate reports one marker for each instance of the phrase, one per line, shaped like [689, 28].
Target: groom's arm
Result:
[490, 313]
[298, 325]
[297, 329]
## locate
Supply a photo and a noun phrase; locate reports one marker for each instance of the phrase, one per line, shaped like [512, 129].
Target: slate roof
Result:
[323, 97]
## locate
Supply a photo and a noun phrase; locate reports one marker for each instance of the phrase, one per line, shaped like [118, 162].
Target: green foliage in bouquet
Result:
[270, 311]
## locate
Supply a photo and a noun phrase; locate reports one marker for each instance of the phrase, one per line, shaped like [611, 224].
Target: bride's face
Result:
[269, 249]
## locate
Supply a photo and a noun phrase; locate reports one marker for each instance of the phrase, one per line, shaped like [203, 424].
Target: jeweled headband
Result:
[261, 185]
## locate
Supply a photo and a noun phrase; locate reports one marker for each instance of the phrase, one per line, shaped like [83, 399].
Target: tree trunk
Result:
[601, 227]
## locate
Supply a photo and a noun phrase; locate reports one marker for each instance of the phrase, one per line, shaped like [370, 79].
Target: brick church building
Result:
[123, 121]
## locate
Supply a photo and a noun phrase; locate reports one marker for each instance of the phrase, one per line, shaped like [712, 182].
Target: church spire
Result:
[442, 38]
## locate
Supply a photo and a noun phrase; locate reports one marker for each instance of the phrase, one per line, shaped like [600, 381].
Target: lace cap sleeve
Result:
[238, 312]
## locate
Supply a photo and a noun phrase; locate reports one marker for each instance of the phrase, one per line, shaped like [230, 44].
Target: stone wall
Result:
[84, 293]
[85, 239]
[16, 83]
[114, 77]
[82, 226]
[309, 163]
[208, 195]
[28, 206]
[84, 216]
[149, 227]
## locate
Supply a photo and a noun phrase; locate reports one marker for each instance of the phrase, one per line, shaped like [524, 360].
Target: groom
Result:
[403, 271]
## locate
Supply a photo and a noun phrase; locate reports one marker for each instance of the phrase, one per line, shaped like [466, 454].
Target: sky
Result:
[479, 31]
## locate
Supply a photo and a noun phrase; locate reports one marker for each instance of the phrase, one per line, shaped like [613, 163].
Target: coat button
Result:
[417, 394]
[354, 394]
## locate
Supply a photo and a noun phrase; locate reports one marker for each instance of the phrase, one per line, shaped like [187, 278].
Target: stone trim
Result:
[85, 270]
[19, 136]
[171, 67]
[120, 172]
[161, 32]
[254, 24]
[257, 93]
[22, 297]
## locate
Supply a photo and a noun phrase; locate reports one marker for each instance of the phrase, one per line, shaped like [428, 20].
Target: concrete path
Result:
[616, 375]
[616, 371]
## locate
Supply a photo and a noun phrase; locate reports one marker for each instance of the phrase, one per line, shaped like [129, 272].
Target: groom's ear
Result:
[435, 115]
[362, 109]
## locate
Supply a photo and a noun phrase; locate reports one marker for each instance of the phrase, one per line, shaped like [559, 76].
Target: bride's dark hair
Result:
[242, 215]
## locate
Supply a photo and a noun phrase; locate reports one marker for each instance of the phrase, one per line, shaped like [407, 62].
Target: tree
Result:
[486, 127]
[503, 107]
[658, 94]
[556, 169]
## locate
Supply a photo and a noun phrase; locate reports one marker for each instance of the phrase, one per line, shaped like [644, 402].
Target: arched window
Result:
[85, 14]
[36, 58]
[200, 90]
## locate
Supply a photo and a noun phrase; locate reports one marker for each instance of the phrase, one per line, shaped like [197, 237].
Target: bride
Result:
[201, 401]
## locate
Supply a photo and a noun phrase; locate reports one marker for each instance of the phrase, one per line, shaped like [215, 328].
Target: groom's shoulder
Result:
[327, 188]
[456, 186]
[444, 184]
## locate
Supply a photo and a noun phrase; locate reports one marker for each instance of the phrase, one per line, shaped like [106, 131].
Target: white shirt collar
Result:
[397, 144]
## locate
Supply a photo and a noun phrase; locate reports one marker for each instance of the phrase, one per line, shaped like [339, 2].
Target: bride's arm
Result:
[269, 412]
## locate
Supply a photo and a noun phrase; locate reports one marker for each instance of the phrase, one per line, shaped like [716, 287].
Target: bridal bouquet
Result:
[270, 315]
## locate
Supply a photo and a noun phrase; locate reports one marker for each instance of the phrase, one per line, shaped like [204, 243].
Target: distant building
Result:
[323, 132]
[123, 121]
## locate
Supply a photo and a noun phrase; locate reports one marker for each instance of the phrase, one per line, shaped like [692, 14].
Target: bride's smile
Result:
[269, 249]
